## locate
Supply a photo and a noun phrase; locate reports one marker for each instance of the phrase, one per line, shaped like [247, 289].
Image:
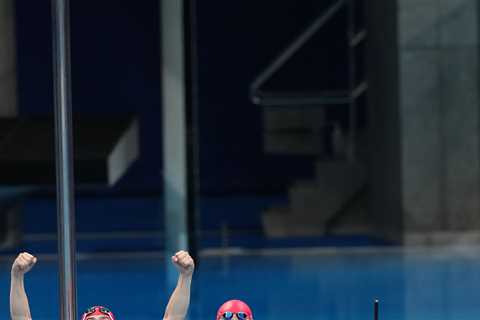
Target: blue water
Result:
[414, 285]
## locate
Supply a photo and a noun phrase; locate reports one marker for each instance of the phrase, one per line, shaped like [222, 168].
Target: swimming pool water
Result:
[414, 284]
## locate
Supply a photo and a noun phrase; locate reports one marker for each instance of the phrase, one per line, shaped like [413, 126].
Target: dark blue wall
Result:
[115, 70]
[237, 40]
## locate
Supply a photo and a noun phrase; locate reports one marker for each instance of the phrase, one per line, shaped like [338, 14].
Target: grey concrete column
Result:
[424, 76]
[420, 114]
[174, 128]
[8, 79]
[438, 54]
[459, 72]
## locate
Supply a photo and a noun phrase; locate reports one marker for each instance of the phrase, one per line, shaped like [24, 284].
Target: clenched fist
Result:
[23, 263]
[184, 263]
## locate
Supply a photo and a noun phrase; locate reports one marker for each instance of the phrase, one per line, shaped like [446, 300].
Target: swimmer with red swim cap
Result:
[234, 309]
[178, 304]
[176, 309]
[98, 313]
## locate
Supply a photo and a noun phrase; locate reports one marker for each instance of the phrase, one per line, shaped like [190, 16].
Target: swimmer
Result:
[19, 308]
[178, 304]
[234, 310]
[176, 309]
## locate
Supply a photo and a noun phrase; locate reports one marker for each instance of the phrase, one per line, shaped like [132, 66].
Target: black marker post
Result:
[375, 309]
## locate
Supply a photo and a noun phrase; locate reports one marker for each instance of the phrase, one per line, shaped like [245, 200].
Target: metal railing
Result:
[289, 52]
[354, 89]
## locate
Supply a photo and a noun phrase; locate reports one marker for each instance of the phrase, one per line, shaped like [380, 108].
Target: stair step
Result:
[323, 198]
[332, 171]
[319, 198]
[294, 131]
[356, 220]
[283, 223]
[287, 119]
[294, 144]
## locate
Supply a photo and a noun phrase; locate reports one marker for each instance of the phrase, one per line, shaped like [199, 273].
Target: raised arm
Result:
[19, 308]
[180, 299]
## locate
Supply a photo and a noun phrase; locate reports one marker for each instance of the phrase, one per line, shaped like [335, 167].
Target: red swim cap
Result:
[98, 311]
[234, 306]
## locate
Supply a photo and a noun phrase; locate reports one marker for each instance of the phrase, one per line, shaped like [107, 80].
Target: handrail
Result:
[290, 50]
[303, 99]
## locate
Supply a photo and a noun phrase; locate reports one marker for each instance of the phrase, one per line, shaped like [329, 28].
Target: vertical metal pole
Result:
[64, 160]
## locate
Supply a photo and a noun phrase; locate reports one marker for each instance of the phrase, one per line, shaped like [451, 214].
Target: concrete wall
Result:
[8, 81]
[425, 116]
[438, 55]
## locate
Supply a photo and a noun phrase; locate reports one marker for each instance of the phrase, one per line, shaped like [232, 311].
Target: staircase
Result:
[327, 121]
[314, 203]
